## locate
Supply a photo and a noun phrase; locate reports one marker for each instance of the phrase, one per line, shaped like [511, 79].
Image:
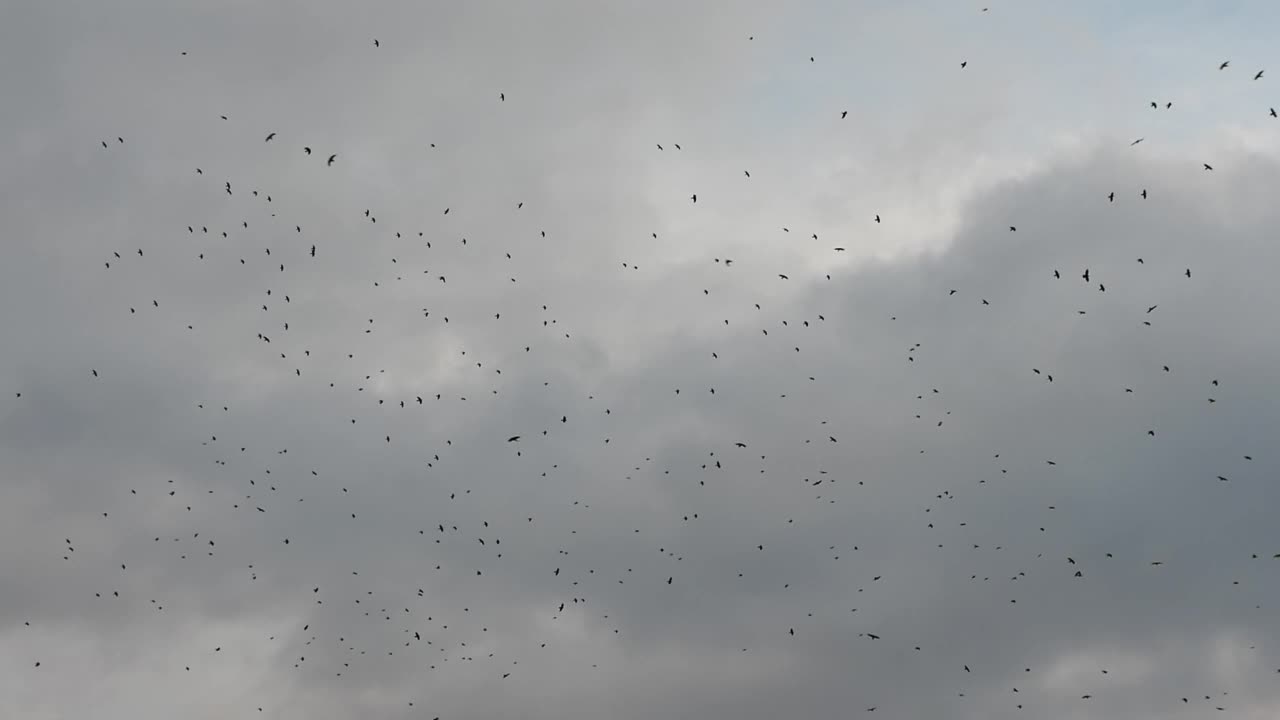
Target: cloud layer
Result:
[936, 472]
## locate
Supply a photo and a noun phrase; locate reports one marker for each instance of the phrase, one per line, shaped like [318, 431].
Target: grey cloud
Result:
[925, 508]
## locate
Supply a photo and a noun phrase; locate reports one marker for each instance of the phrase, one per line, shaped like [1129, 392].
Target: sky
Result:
[488, 418]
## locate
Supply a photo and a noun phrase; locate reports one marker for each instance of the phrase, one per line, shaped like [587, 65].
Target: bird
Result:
[1224, 64]
[307, 150]
[332, 158]
[513, 438]
[1135, 142]
[1259, 75]
[1207, 166]
[269, 136]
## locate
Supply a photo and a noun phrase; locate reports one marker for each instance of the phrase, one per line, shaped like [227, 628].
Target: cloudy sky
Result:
[937, 472]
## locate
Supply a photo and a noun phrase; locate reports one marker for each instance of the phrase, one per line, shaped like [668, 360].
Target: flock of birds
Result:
[426, 638]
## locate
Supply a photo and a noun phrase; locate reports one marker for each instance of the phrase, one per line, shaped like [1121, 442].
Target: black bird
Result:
[513, 438]
[1224, 64]
[307, 150]
[269, 136]
[332, 158]
[1259, 75]
[1207, 166]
